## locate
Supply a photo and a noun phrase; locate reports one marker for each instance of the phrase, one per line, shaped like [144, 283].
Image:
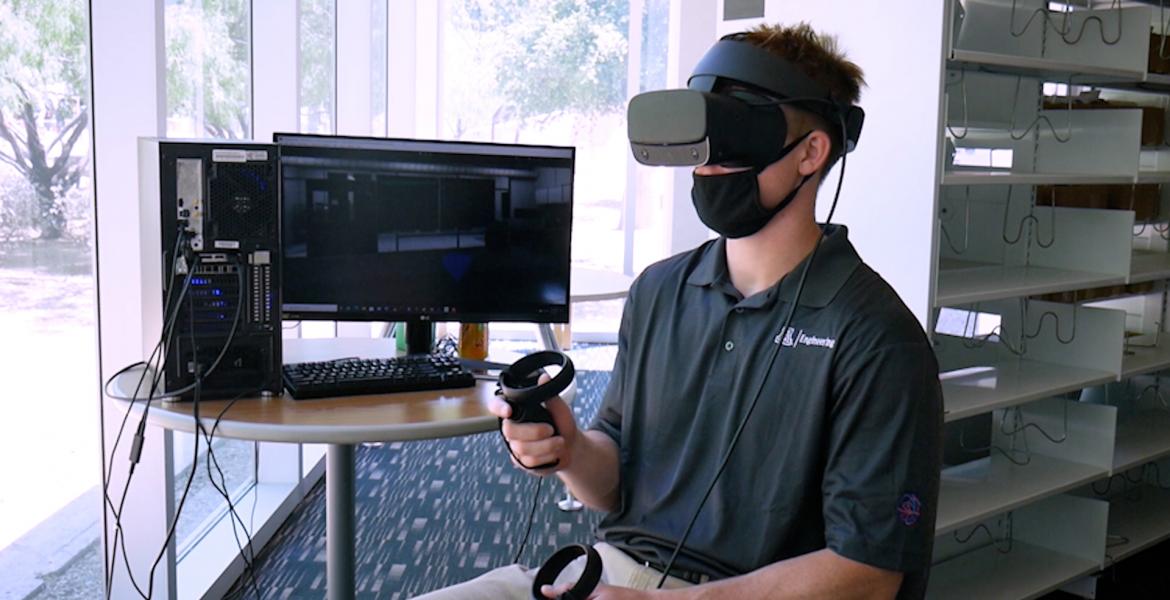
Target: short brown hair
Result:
[817, 56]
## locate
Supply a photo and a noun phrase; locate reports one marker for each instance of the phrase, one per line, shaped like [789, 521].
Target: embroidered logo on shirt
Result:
[792, 337]
[909, 509]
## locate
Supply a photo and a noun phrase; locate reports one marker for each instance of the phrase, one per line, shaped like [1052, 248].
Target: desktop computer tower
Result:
[211, 264]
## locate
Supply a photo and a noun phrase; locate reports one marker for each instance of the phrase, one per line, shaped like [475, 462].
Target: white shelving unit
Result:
[1153, 177]
[993, 246]
[1005, 177]
[988, 253]
[1001, 245]
[1141, 438]
[976, 490]
[1053, 541]
[978, 379]
[1027, 572]
[1043, 68]
[1139, 522]
[1139, 361]
[1149, 265]
[1009, 383]
[965, 283]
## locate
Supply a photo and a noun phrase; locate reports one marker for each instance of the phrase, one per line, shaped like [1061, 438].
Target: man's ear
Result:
[814, 153]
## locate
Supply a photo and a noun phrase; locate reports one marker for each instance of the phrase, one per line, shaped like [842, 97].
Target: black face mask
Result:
[730, 204]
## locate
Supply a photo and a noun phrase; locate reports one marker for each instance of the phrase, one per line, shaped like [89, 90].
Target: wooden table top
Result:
[341, 420]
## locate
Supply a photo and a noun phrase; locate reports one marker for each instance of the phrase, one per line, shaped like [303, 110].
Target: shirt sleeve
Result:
[608, 419]
[881, 477]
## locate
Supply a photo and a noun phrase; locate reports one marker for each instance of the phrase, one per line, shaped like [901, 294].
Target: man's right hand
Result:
[534, 443]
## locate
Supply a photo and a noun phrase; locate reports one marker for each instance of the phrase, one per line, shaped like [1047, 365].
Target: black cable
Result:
[196, 387]
[114, 547]
[218, 358]
[139, 437]
[135, 453]
[249, 556]
[771, 363]
[231, 508]
[162, 335]
[531, 517]
[164, 338]
[195, 457]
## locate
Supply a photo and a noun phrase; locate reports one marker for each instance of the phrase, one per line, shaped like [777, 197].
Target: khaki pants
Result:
[515, 581]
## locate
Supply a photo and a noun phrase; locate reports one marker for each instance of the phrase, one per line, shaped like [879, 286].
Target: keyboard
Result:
[352, 377]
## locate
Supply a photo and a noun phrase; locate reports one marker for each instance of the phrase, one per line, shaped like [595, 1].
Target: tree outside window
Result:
[48, 354]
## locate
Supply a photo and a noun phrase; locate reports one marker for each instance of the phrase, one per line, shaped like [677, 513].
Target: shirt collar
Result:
[835, 261]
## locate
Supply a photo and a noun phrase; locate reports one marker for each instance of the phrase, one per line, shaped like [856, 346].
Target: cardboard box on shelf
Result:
[1143, 199]
[1073, 196]
[1159, 55]
[1100, 293]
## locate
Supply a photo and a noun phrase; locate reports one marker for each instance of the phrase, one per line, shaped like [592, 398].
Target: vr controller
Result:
[562, 558]
[520, 387]
[703, 125]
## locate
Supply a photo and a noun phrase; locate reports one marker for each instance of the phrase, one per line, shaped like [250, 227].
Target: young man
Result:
[831, 488]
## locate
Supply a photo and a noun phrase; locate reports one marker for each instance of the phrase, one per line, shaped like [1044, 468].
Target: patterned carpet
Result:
[429, 514]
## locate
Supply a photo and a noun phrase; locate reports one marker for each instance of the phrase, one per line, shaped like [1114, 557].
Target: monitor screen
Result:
[396, 230]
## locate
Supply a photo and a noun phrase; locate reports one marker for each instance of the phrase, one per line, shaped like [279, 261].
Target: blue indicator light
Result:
[217, 292]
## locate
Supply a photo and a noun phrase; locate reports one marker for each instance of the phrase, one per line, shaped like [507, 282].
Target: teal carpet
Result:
[429, 514]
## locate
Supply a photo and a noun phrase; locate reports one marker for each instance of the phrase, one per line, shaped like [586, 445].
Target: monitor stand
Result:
[420, 337]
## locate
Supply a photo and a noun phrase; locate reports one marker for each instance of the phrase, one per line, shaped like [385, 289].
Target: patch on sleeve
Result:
[909, 509]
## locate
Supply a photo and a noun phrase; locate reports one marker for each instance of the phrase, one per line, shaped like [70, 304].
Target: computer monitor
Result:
[417, 230]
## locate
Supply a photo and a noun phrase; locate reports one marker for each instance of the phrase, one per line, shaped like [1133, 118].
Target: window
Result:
[208, 80]
[562, 75]
[47, 312]
[379, 56]
[317, 79]
[208, 52]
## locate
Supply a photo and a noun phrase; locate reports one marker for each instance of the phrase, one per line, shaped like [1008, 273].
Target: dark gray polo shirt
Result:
[842, 451]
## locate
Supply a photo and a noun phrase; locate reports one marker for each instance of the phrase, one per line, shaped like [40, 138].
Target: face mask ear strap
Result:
[784, 152]
[791, 195]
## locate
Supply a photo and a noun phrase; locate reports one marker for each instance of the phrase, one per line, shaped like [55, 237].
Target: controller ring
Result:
[556, 563]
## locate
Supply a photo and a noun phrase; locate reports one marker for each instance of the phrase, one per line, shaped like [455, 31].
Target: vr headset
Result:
[730, 114]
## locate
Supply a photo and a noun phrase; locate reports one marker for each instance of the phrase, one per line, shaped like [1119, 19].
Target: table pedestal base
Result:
[339, 530]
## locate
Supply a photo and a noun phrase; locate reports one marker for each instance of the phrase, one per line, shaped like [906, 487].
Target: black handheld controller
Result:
[557, 562]
[519, 386]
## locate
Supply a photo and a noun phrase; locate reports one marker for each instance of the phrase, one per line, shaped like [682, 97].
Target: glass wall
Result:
[523, 72]
[208, 88]
[209, 78]
[317, 76]
[48, 353]
[379, 29]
